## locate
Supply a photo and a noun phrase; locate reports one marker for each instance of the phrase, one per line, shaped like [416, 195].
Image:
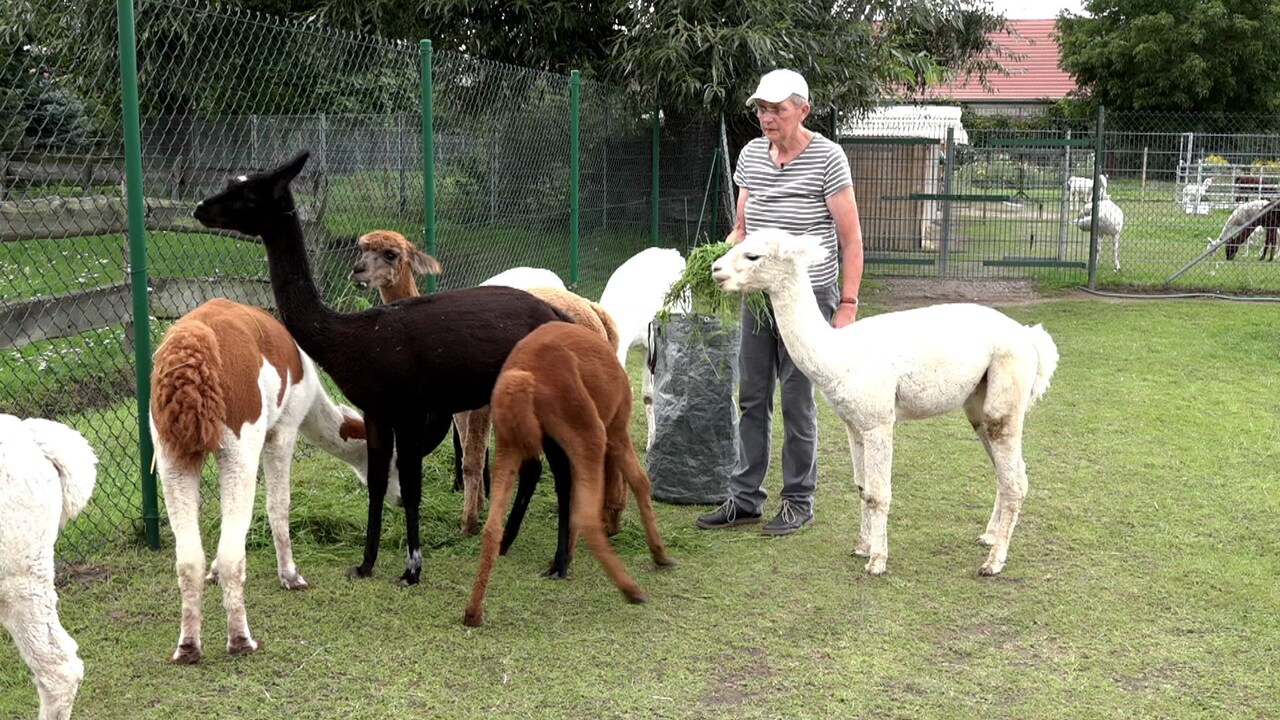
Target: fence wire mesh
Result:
[65, 326]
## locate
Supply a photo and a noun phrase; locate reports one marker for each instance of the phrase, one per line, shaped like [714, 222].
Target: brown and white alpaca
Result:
[388, 262]
[229, 380]
[563, 383]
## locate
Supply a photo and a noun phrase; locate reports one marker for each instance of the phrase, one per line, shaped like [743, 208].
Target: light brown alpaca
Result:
[563, 382]
[388, 262]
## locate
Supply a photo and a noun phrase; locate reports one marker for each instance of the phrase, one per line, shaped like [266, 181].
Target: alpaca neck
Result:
[323, 426]
[297, 298]
[804, 331]
[403, 287]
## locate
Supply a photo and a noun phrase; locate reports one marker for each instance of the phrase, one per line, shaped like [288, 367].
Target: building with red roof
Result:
[1034, 78]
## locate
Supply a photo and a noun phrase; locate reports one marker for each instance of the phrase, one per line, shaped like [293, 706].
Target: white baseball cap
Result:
[779, 85]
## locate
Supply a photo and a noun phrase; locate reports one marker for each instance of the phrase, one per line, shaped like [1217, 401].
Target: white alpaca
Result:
[633, 296]
[1110, 224]
[1081, 188]
[229, 380]
[46, 477]
[903, 366]
[523, 278]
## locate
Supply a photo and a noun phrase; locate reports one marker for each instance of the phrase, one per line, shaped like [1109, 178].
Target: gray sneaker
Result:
[727, 515]
[788, 520]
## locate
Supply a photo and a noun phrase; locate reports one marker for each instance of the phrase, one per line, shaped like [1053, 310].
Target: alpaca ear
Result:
[284, 174]
[422, 263]
[810, 250]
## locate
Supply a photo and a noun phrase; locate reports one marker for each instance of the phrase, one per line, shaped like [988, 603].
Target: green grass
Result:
[1141, 581]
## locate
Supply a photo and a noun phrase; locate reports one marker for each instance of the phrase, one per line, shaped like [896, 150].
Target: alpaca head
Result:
[766, 259]
[387, 256]
[250, 203]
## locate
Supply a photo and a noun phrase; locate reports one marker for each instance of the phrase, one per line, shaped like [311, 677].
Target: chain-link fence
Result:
[223, 91]
[1177, 193]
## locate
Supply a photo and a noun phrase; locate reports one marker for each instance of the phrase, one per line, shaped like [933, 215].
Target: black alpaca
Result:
[408, 366]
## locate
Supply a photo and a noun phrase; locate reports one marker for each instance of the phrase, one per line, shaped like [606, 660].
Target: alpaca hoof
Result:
[408, 578]
[862, 550]
[473, 619]
[359, 572]
[636, 597]
[990, 569]
[188, 653]
[211, 578]
[470, 527]
[297, 582]
[987, 539]
[664, 561]
[242, 645]
[877, 565]
[553, 573]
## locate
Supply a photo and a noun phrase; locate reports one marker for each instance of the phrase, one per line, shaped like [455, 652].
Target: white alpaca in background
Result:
[633, 296]
[523, 278]
[1110, 224]
[47, 474]
[903, 366]
[1081, 188]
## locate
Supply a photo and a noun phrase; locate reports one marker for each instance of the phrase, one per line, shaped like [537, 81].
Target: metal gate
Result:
[999, 207]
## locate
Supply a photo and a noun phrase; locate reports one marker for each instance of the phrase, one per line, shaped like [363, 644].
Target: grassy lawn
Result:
[1141, 580]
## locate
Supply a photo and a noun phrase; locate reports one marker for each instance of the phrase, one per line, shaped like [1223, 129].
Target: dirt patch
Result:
[731, 682]
[81, 573]
[903, 293]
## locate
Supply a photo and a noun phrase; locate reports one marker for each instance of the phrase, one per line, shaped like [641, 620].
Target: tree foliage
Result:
[1214, 56]
[704, 57]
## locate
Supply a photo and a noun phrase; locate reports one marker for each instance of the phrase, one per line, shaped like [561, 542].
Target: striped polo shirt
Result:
[794, 197]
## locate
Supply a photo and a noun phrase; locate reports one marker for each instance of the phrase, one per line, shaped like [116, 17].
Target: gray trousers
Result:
[763, 361]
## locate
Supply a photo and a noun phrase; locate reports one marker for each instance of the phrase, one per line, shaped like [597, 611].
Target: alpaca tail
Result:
[1047, 351]
[188, 407]
[74, 460]
[514, 419]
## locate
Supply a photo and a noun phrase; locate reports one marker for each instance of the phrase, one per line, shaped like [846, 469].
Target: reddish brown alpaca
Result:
[388, 262]
[563, 382]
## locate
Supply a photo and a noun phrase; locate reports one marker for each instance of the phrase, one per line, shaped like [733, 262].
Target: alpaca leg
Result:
[1115, 251]
[44, 646]
[622, 455]
[277, 458]
[877, 494]
[457, 453]
[380, 440]
[413, 441]
[858, 453]
[475, 441]
[1008, 381]
[182, 503]
[504, 472]
[1011, 483]
[530, 473]
[566, 534]
[615, 494]
[646, 395]
[973, 410]
[587, 456]
[238, 466]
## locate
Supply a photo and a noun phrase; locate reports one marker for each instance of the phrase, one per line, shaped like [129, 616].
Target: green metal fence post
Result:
[948, 189]
[428, 159]
[1098, 148]
[656, 180]
[138, 265]
[575, 98]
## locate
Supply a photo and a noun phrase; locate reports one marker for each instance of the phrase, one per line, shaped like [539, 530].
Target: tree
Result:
[1207, 56]
[702, 57]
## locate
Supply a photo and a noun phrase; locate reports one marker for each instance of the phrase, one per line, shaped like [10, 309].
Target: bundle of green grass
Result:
[705, 297]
